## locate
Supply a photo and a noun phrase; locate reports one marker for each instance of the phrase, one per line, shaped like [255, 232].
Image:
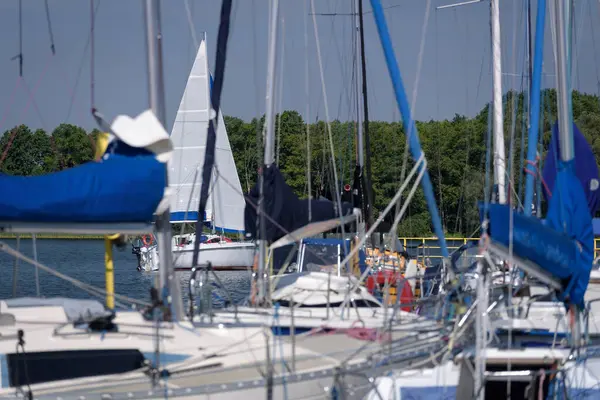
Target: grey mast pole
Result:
[156, 89]
[263, 276]
[563, 90]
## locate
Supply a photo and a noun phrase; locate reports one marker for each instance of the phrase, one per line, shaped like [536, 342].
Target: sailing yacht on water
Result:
[225, 212]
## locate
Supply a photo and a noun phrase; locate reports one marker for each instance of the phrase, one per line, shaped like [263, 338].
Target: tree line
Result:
[455, 150]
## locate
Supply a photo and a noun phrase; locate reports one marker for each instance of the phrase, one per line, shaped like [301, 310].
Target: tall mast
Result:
[563, 89]
[499, 155]
[367, 141]
[156, 88]
[529, 51]
[263, 279]
[360, 150]
[534, 109]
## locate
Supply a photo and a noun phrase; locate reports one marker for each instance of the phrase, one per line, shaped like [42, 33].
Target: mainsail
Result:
[225, 207]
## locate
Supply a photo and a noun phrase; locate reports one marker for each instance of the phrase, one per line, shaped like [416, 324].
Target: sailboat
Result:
[225, 211]
[555, 254]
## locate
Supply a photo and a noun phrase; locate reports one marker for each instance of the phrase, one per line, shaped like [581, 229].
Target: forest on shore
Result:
[455, 151]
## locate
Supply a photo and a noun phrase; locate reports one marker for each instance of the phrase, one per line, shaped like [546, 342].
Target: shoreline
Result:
[62, 236]
[55, 236]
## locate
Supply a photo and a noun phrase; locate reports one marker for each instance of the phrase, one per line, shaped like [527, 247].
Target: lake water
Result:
[84, 261]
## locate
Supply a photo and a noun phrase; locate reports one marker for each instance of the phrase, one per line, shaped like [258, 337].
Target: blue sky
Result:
[455, 74]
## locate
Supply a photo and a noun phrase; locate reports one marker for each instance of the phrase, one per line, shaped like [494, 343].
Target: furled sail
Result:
[285, 208]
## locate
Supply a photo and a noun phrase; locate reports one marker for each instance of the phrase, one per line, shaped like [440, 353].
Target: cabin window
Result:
[321, 258]
[47, 366]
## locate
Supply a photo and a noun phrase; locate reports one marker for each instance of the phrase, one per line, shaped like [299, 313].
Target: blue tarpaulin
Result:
[120, 189]
[586, 168]
[563, 244]
[428, 393]
[596, 225]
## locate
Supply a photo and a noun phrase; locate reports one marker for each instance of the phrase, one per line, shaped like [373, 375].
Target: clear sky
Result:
[455, 74]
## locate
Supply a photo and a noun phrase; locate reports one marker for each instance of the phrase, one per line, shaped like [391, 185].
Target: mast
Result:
[499, 155]
[156, 86]
[563, 89]
[529, 49]
[214, 107]
[367, 141]
[359, 143]
[534, 109]
[263, 278]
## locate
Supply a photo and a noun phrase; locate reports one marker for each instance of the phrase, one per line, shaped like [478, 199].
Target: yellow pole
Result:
[101, 144]
[110, 273]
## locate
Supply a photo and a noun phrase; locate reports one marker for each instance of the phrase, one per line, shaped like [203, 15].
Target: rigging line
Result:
[92, 54]
[344, 67]
[576, 33]
[593, 41]
[306, 92]
[9, 144]
[280, 94]
[526, 100]
[79, 71]
[258, 127]
[331, 37]
[514, 104]
[191, 22]
[81, 285]
[20, 55]
[414, 95]
[351, 14]
[49, 22]
[30, 93]
[437, 111]
[10, 101]
[329, 132]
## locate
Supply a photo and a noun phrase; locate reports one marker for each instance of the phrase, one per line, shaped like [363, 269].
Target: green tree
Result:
[16, 148]
[455, 149]
[72, 146]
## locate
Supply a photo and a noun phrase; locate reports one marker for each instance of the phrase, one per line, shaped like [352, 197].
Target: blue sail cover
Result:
[563, 244]
[120, 189]
[586, 168]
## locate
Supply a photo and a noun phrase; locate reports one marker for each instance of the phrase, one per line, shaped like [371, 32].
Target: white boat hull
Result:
[224, 255]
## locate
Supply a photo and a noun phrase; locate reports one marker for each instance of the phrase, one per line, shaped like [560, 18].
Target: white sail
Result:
[225, 206]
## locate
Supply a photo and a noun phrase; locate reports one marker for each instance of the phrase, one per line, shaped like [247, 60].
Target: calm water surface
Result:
[84, 260]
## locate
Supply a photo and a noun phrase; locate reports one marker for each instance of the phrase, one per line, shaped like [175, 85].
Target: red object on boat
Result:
[406, 294]
[226, 239]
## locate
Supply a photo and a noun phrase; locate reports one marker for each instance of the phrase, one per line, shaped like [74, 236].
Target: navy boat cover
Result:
[285, 208]
[119, 189]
